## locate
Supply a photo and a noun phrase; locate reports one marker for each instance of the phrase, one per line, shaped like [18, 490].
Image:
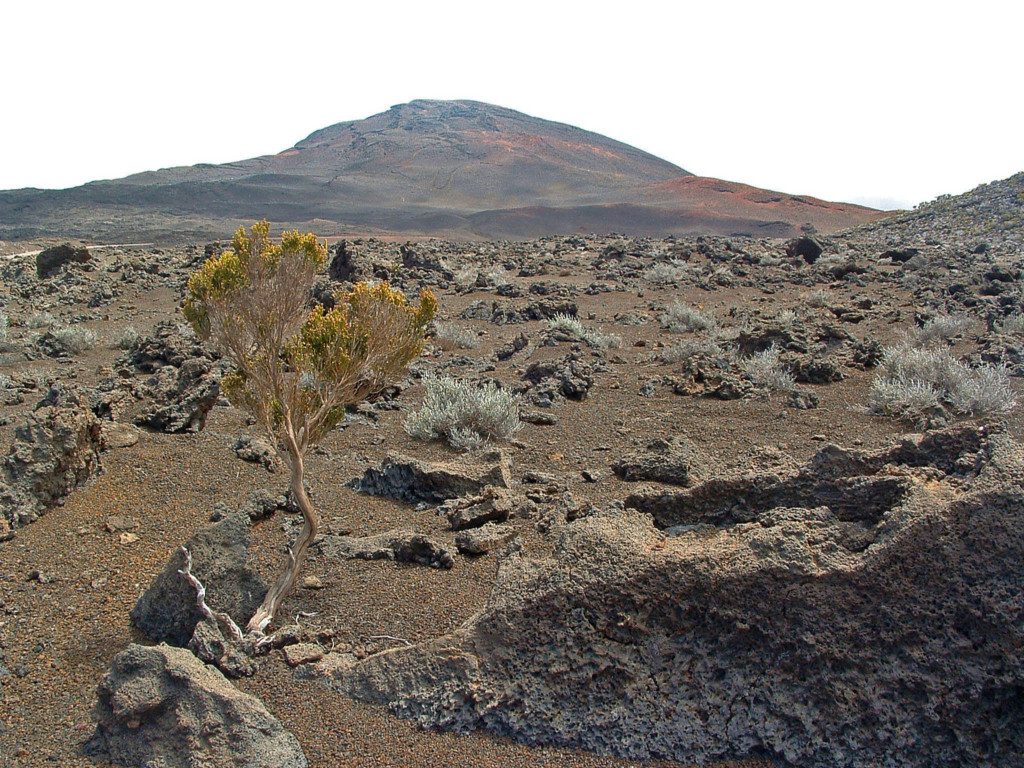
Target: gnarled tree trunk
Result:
[310, 527]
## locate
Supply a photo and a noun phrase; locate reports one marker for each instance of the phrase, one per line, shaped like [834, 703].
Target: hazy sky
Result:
[888, 103]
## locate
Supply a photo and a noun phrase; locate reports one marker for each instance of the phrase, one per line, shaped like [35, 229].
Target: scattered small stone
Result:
[127, 538]
[119, 435]
[538, 417]
[303, 653]
[256, 450]
[312, 582]
[119, 523]
[480, 541]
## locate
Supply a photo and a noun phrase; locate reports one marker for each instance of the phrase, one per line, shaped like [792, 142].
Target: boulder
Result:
[676, 461]
[185, 380]
[183, 397]
[402, 546]
[167, 610]
[569, 378]
[52, 260]
[806, 248]
[814, 634]
[412, 480]
[346, 266]
[54, 451]
[161, 706]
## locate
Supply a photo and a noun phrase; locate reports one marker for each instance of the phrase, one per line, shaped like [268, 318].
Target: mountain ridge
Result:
[446, 168]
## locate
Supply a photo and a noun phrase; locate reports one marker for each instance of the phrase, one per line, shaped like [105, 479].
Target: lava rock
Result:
[676, 461]
[806, 248]
[54, 451]
[803, 633]
[52, 260]
[493, 505]
[402, 546]
[480, 541]
[163, 706]
[412, 480]
[167, 609]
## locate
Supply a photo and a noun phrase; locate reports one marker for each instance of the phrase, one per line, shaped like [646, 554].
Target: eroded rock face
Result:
[57, 449]
[167, 610]
[780, 636]
[161, 706]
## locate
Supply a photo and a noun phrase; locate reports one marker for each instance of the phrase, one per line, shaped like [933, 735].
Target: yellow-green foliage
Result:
[251, 257]
[297, 368]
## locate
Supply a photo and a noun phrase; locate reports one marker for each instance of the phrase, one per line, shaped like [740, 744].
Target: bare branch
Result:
[221, 620]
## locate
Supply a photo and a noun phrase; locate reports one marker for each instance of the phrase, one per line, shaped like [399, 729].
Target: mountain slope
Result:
[990, 216]
[455, 168]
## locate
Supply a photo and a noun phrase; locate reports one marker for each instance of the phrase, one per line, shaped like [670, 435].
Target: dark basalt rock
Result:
[806, 248]
[167, 610]
[52, 260]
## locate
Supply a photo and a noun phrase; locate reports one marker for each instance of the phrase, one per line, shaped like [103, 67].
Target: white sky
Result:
[887, 103]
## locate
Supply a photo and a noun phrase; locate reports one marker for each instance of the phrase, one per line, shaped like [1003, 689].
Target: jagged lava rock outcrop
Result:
[807, 634]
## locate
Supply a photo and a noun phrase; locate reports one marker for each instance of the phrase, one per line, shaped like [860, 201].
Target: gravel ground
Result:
[67, 584]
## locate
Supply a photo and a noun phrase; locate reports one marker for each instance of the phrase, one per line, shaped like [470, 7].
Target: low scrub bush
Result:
[574, 327]
[922, 384]
[942, 328]
[818, 299]
[687, 348]
[680, 318]
[786, 318]
[1013, 324]
[40, 320]
[126, 338]
[454, 336]
[6, 345]
[766, 370]
[464, 414]
[668, 272]
[74, 341]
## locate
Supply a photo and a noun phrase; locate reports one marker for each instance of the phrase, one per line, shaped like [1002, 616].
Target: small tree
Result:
[296, 369]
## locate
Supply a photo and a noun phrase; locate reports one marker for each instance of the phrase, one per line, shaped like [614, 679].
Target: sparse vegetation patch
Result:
[682, 318]
[923, 384]
[464, 414]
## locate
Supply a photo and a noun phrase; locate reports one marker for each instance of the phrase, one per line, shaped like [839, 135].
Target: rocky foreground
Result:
[726, 530]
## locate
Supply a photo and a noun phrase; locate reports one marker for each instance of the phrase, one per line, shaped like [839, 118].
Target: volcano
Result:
[460, 169]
